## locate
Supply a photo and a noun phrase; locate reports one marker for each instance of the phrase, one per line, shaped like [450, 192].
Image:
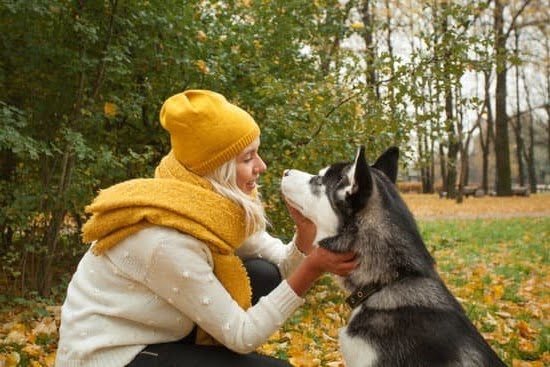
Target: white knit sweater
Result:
[154, 287]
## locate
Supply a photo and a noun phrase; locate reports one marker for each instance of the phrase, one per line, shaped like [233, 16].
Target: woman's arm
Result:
[180, 273]
[286, 257]
[262, 245]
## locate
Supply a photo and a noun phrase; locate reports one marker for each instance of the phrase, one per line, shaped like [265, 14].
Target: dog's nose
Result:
[286, 172]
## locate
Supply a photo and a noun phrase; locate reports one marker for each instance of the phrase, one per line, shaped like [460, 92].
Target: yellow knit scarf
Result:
[179, 199]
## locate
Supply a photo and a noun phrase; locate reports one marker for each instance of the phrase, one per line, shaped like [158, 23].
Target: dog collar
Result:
[360, 295]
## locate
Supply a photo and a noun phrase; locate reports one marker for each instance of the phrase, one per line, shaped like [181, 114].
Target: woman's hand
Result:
[322, 260]
[305, 229]
[319, 261]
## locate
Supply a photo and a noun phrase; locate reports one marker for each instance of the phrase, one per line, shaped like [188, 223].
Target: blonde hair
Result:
[224, 180]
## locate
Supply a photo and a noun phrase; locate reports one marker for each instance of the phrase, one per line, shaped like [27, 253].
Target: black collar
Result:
[362, 294]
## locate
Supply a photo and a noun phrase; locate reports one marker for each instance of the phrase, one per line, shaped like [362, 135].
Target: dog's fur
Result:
[412, 319]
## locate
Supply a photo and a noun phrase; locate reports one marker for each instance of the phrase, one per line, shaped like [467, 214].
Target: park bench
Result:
[469, 191]
[520, 190]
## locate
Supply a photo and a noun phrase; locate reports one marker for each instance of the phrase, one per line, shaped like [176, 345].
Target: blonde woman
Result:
[181, 271]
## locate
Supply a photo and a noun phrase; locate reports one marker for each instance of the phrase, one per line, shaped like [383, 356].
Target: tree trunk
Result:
[421, 159]
[50, 239]
[547, 47]
[531, 157]
[428, 153]
[453, 145]
[462, 147]
[530, 154]
[432, 166]
[516, 126]
[8, 164]
[443, 167]
[331, 51]
[453, 148]
[485, 143]
[518, 123]
[389, 44]
[370, 53]
[502, 141]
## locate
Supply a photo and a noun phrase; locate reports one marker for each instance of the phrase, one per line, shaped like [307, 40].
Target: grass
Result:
[497, 268]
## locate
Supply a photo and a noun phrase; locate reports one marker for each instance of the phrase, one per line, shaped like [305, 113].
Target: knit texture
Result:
[178, 199]
[205, 129]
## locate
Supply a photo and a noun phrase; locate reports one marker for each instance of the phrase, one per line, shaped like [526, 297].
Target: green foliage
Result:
[82, 84]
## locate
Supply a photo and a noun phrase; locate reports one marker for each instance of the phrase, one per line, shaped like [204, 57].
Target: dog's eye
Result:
[316, 180]
[341, 180]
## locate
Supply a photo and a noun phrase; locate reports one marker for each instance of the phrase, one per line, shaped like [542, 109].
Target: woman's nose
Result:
[262, 167]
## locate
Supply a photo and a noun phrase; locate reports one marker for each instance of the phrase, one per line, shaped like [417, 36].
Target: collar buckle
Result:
[362, 294]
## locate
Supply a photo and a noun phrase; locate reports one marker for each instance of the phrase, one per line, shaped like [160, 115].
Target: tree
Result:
[502, 144]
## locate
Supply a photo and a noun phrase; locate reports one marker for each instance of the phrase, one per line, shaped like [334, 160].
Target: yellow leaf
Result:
[524, 329]
[480, 270]
[15, 337]
[201, 36]
[495, 293]
[304, 361]
[19, 327]
[32, 350]
[10, 360]
[526, 346]
[519, 363]
[50, 359]
[45, 326]
[246, 3]
[110, 109]
[201, 65]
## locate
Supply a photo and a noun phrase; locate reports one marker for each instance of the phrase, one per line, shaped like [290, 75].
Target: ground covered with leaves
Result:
[493, 254]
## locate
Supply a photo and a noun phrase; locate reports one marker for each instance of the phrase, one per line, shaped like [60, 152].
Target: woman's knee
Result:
[264, 277]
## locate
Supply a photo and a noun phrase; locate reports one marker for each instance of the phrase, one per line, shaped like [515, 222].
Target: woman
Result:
[164, 282]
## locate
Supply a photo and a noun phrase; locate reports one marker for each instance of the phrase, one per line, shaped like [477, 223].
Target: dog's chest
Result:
[357, 351]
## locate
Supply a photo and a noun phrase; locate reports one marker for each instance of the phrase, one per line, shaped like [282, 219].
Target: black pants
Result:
[264, 277]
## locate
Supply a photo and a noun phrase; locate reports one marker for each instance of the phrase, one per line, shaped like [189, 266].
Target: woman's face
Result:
[249, 167]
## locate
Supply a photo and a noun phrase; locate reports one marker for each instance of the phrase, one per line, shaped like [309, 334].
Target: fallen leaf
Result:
[15, 337]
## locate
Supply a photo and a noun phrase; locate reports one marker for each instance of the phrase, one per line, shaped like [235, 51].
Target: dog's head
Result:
[356, 207]
[338, 193]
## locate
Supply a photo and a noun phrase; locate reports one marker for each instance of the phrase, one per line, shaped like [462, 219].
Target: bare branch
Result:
[533, 23]
[515, 17]
[334, 108]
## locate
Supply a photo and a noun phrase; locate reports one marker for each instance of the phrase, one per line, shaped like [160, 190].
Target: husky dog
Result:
[402, 312]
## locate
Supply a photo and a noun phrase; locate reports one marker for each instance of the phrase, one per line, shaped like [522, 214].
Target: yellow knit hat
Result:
[205, 129]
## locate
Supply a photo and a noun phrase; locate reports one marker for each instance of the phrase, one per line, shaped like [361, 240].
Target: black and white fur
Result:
[412, 319]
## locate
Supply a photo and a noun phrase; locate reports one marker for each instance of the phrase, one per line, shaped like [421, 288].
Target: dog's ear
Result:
[360, 181]
[388, 163]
